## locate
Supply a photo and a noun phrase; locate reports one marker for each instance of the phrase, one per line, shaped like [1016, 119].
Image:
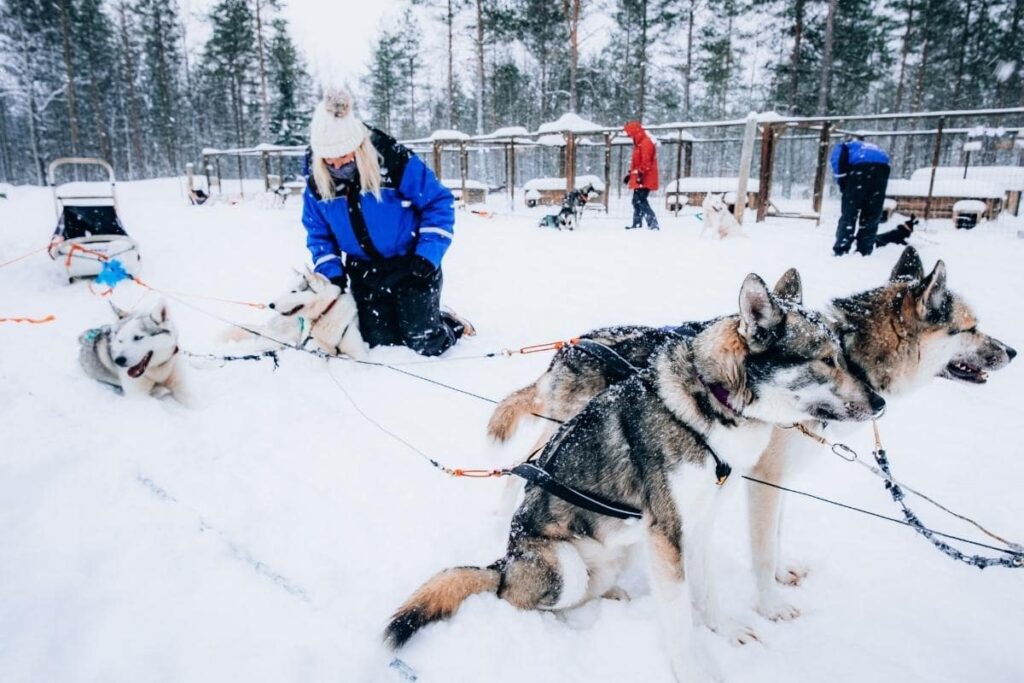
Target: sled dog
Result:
[898, 235]
[312, 310]
[571, 212]
[718, 220]
[896, 337]
[138, 354]
[657, 442]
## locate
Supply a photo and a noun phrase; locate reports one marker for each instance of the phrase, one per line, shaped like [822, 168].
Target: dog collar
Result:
[720, 393]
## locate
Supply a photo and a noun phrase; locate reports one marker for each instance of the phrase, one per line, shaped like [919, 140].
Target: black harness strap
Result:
[355, 217]
[619, 368]
[588, 501]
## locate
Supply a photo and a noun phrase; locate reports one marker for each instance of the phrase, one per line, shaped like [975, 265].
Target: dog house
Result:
[468, 191]
[967, 213]
[888, 208]
[911, 196]
[691, 191]
[551, 191]
[1010, 179]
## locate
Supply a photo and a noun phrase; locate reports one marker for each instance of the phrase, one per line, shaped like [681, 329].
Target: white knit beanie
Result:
[335, 131]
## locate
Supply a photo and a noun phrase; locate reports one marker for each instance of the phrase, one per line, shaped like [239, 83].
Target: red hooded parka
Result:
[643, 169]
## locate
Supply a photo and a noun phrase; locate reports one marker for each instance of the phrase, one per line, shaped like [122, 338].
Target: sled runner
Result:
[89, 231]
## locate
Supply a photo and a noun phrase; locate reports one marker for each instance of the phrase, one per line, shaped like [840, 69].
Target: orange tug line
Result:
[34, 321]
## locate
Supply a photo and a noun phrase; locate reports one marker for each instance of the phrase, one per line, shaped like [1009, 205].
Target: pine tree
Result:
[160, 70]
[230, 63]
[290, 88]
[409, 55]
[385, 80]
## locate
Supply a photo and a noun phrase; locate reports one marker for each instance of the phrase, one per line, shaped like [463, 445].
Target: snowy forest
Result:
[122, 80]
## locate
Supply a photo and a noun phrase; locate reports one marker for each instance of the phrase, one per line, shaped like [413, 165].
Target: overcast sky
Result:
[334, 35]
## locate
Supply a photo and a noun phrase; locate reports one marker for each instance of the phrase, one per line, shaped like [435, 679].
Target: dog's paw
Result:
[735, 632]
[615, 593]
[792, 574]
[774, 608]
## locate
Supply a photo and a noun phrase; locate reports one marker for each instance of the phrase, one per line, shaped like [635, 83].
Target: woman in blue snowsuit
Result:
[379, 220]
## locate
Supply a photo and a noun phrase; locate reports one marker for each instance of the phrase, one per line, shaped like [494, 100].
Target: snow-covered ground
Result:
[267, 533]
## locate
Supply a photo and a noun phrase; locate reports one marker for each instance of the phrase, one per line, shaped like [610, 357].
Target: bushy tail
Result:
[511, 410]
[438, 599]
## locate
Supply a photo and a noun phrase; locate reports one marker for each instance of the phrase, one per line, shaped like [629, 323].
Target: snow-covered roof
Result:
[1006, 177]
[289, 150]
[675, 136]
[551, 140]
[507, 132]
[570, 123]
[446, 135]
[456, 184]
[710, 184]
[550, 184]
[944, 187]
[969, 206]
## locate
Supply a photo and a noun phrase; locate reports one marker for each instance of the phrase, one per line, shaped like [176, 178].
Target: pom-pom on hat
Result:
[335, 130]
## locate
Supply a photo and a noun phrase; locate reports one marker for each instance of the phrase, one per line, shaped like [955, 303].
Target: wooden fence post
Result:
[819, 170]
[746, 157]
[936, 155]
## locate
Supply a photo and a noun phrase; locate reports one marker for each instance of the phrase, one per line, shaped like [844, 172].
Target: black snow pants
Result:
[863, 191]
[642, 209]
[398, 309]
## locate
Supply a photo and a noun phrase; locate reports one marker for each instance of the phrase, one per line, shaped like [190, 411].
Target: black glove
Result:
[341, 281]
[420, 267]
[625, 179]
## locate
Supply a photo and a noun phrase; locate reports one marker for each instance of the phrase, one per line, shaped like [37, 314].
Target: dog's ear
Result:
[909, 267]
[759, 313]
[318, 282]
[119, 312]
[159, 312]
[932, 294]
[789, 287]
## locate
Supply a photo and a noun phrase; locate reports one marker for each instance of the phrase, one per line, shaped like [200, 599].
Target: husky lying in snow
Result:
[718, 220]
[896, 337]
[654, 442]
[313, 309]
[137, 355]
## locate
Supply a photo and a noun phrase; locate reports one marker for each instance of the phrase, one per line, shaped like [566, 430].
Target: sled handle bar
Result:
[68, 161]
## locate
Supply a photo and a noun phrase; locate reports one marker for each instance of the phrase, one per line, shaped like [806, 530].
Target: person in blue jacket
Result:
[378, 220]
[862, 171]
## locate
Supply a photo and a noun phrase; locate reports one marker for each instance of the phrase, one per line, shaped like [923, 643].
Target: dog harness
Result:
[621, 370]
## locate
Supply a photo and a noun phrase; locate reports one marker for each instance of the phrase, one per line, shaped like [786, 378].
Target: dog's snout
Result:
[1011, 352]
[877, 404]
[271, 305]
[121, 361]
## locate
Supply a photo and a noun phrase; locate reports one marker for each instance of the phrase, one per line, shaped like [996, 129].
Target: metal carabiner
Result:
[844, 452]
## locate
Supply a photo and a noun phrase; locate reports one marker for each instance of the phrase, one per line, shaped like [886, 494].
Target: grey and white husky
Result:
[657, 442]
[896, 337]
[138, 354]
[313, 309]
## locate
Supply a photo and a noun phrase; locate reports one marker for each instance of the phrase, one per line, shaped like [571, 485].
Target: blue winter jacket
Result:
[856, 152]
[416, 213]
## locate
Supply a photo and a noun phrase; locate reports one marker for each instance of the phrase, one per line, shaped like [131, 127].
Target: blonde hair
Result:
[368, 164]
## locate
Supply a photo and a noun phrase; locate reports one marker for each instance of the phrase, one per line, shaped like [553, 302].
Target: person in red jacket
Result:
[643, 175]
